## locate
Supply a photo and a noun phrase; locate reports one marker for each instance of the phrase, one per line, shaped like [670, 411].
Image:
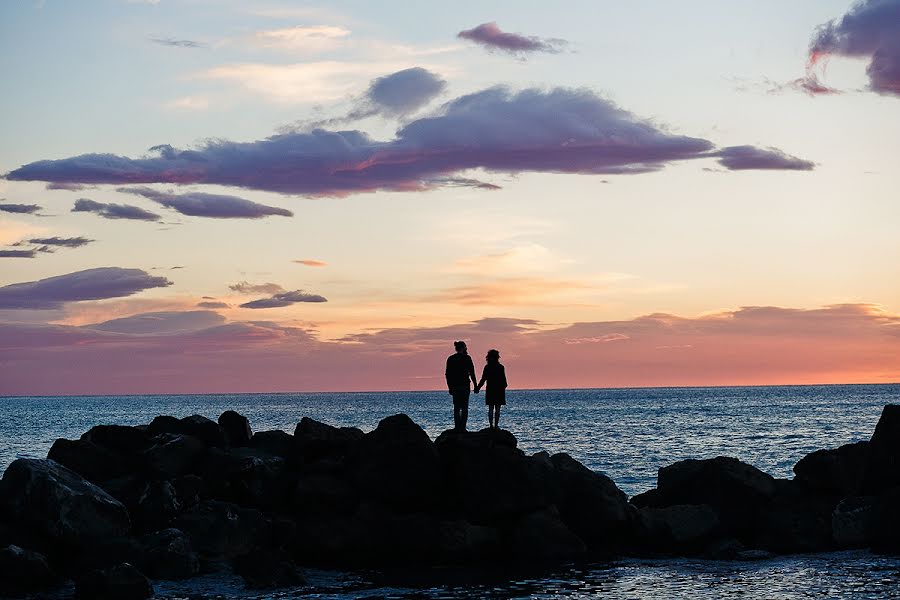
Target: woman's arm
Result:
[483, 377]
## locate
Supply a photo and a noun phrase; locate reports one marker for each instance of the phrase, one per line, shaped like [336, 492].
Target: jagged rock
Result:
[542, 536]
[720, 481]
[318, 493]
[168, 555]
[838, 471]
[314, 439]
[197, 426]
[172, 455]
[236, 428]
[487, 482]
[189, 489]
[853, 521]
[24, 571]
[883, 468]
[397, 464]
[121, 582]
[247, 477]
[223, 529]
[152, 504]
[794, 520]
[591, 505]
[276, 442]
[264, 569]
[121, 438]
[59, 504]
[681, 528]
[94, 463]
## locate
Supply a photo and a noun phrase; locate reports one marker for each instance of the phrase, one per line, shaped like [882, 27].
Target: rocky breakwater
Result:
[123, 506]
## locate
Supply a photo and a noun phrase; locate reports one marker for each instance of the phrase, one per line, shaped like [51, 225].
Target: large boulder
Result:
[23, 571]
[324, 493]
[591, 505]
[236, 428]
[247, 477]
[883, 468]
[487, 480]
[315, 440]
[152, 504]
[836, 471]
[94, 463]
[58, 504]
[794, 520]
[275, 442]
[684, 529]
[221, 529]
[722, 481]
[885, 523]
[121, 438]
[168, 555]
[121, 582]
[207, 431]
[542, 536]
[396, 464]
[853, 521]
[172, 455]
[263, 569]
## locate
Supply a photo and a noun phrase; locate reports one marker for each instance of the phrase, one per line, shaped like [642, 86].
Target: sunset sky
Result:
[223, 195]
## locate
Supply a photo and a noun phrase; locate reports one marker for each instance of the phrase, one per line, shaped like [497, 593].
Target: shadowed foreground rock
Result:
[178, 497]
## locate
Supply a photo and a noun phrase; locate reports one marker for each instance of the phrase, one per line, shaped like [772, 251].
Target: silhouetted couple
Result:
[460, 370]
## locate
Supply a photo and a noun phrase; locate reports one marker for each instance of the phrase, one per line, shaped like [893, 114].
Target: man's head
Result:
[460, 347]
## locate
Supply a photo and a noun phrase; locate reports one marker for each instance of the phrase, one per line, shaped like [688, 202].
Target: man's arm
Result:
[447, 375]
[472, 372]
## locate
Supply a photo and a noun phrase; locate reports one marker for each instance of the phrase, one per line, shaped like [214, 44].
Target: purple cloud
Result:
[284, 299]
[492, 37]
[19, 253]
[90, 284]
[212, 304]
[870, 29]
[404, 92]
[552, 131]
[243, 287]
[216, 206]
[73, 242]
[114, 211]
[24, 209]
[742, 158]
[161, 322]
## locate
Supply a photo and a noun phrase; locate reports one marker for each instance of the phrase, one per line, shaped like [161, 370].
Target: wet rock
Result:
[397, 464]
[59, 504]
[276, 442]
[265, 569]
[168, 555]
[172, 455]
[680, 529]
[794, 520]
[197, 426]
[120, 438]
[314, 439]
[121, 582]
[883, 468]
[24, 571]
[837, 471]
[591, 505]
[223, 529]
[94, 463]
[236, 428]
[542, 536]
[852, 522]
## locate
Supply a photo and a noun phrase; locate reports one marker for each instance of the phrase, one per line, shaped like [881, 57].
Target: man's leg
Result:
[464, 413]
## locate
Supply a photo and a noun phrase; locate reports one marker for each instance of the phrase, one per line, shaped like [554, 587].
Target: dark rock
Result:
[651, 498]
[224, 529]
[151, 504]
[172, 455]
[477, 440]
[487, 482]
[189, 489]
[853, 522]
[121, 582]
[883, 468]
[99, 554]
[721, 481]
[680, 529]
[542, 536]
[324, 493]
[263, 569]
[236, 428]
[276, 442]
[397, 464]
[794, 520]
[838, 471]
[591, 505]
[57, 503]
[723, 548]
[24, 571]
[197, 426]
[247, 477]
[94, 463]
[315, 440]
[168, 555]
[121, 438]
[885, 523]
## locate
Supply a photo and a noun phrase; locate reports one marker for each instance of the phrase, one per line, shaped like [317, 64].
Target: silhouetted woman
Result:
[495, 396]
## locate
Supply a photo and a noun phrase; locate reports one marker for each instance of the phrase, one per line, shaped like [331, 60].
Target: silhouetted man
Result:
[459, 371]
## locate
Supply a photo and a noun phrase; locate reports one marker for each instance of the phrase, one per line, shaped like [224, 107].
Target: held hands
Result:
[477, 388]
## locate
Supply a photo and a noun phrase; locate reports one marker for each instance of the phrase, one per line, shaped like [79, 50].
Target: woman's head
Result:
[493, 355]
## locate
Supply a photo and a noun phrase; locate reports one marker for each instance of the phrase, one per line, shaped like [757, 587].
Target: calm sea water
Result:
[627, 433]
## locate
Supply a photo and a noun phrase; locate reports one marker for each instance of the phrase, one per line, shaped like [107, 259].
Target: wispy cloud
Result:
[311, 263]
[176, 43]
[114, 211]
[24, 209]
[214, 206]
[90, 284]
[243, 287]
[490, 36]
[188, 103]
[300, 38]
[282, 299]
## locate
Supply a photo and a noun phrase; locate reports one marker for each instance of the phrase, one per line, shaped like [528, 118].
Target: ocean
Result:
[626, 433]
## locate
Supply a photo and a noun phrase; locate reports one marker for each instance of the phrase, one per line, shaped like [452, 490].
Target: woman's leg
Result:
[497, 417]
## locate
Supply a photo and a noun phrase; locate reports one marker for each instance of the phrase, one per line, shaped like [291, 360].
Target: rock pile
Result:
[125, 505]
